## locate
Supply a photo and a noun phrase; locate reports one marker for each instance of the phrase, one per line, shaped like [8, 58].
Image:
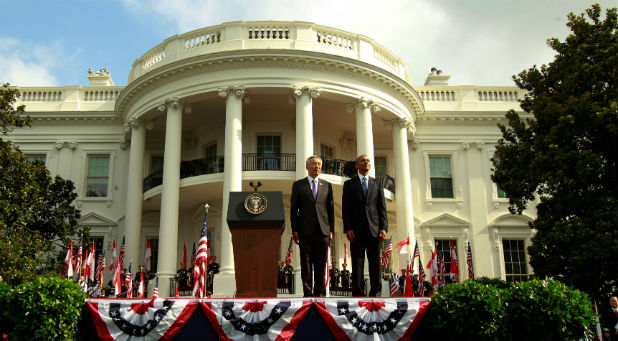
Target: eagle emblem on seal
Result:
[256, 203]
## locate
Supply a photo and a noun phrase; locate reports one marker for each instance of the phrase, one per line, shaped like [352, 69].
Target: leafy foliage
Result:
[548, 310]
[35, 209]
[467, 311]
[48, 308]
[533, 310]
[565, 155]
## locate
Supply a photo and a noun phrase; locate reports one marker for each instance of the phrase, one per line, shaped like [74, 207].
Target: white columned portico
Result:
[168, 225]
[135, 192]
[403, 187]
[304, 127]
[364, 129]
[225, 282]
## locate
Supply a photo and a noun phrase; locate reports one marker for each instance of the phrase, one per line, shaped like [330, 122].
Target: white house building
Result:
[208, 111]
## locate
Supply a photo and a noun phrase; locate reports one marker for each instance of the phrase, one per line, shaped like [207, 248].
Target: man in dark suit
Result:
[610, 318]
[313, 223]
[365, 225]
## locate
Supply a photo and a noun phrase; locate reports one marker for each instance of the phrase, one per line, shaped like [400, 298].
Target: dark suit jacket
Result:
[360, 213]
[609, 320]
[306, 212]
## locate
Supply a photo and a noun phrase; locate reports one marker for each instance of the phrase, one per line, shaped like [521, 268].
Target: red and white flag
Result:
[409, 289]
[454, 264]
[201, 261]
[118, 279]
[327, 273]
[155, 292]
[68, 260]
[140, 288]
[404, 245]
[432, 266]
[288, 256]
[147, 256]
[90, 263]
[441, 270]
[345, 254]
[121, 255]
[113, 260]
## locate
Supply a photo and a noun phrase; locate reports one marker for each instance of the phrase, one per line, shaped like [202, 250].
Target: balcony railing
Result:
[261, 162]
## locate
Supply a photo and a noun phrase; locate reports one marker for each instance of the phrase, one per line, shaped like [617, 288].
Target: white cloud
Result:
[26, 64]
[481, 42]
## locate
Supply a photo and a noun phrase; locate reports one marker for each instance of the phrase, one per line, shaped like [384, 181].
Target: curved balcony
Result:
[258, 35]
[260, 162]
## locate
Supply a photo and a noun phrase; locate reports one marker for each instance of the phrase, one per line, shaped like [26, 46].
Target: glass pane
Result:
[156, 164]
[210, 152]
[441, 188]
[380, 164]
[34, 157]
[501, 193]
[269, 145]
[440, 166]
[98, 166]
[327, 151]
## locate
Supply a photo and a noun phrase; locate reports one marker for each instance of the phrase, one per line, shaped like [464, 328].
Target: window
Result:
[268, 152]
[501, 192]
[380, 164]
[154, 255]
[440, 177]
[98, 176]
[35, 157]
[444, 248]
[156, 164]
[327, 151]
[515, 265]
[210, 151]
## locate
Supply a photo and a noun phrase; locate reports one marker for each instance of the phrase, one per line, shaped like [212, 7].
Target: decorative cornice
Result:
[363, 103]
[313, 93]
[238, 91]
[65, 144]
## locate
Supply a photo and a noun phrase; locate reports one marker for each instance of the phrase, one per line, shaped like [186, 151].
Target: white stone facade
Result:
[250, 101]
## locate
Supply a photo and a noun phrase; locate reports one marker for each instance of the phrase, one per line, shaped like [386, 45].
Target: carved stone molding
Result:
[135, 123]
[363, 103]
[298, 91]
[401, 123]
[466, 145]
[173, 103]
[238, 91]
[65, 144]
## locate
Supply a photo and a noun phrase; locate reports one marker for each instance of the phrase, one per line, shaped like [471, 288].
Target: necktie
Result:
[364, 184]
[315, 189]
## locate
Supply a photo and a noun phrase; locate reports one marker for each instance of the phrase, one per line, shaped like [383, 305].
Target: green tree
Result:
[565, 155]
[36, 210]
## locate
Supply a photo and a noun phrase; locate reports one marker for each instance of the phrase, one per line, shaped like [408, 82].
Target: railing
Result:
[41, 96]
[260, 162]
[101, 95]
[268, 35]
[497, 96]
[387, 181]
[277, 162]
[438, 95]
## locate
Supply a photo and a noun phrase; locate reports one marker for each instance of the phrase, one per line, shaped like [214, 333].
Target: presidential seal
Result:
[256, 203]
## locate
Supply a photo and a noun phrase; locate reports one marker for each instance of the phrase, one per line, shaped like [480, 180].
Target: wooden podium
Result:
[256, 220]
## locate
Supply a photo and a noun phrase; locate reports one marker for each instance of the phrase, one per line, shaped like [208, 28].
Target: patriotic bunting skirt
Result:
[258, 319]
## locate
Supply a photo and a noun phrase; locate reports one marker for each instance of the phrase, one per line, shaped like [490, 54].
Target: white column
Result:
[364, 129]
[168, 225]
[403, 187]
[225, 283]
[304, 127]
[135, 193]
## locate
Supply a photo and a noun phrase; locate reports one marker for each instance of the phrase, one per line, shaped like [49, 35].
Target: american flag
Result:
[454, 264]
[288, 256]
[421, 277]
[102, 274]
[386, 254]
[140, 288]
[201, 261]
[345, 253]
[394, 284]
[469, 260]
[441, 270]
[128, 283]
[121, 255]
[155, 293]
[78, 261]
[99, 267]
[69, 261]
[184, 257]
[113, 260]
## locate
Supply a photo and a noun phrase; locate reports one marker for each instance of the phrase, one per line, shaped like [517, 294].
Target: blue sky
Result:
[481, 42]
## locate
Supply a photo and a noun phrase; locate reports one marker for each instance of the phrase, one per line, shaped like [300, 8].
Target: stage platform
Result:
[281, 318]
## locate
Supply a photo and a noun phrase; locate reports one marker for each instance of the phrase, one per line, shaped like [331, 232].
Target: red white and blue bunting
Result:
[258, 319]
[375, 319]
[140, 320]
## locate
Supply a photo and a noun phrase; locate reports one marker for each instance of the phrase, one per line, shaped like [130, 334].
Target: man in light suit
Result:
[313, 223]
[365, 225]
